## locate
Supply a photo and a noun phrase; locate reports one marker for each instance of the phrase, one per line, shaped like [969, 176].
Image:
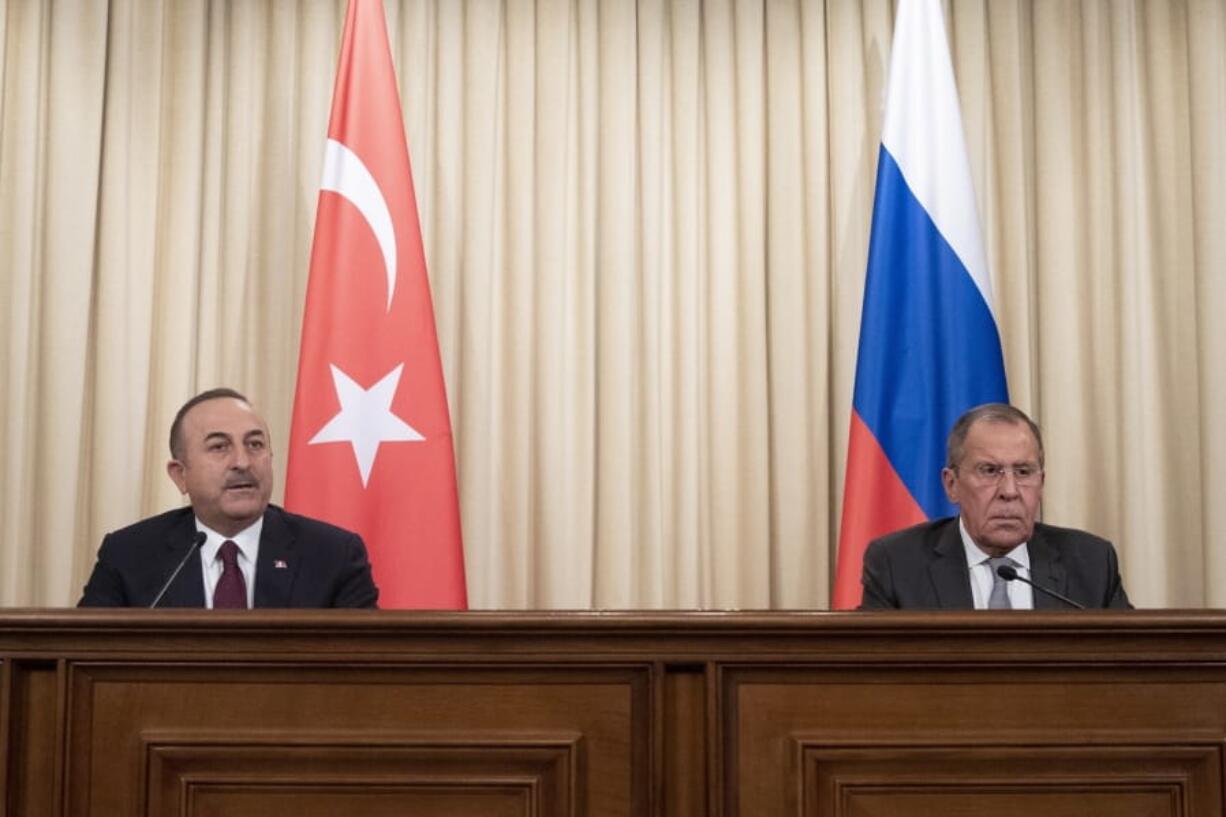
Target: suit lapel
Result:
[1046, 569]
[277, 564]
[950, 577]
[187, 590]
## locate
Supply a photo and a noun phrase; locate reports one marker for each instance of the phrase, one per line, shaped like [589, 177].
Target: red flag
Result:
[370, 445]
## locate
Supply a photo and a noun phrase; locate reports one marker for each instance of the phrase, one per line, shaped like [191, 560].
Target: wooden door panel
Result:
[439, 739]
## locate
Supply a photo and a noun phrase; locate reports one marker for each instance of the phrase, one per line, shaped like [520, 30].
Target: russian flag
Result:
[929, 345]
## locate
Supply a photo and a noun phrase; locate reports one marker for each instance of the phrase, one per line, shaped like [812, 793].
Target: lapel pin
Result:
[280, 564]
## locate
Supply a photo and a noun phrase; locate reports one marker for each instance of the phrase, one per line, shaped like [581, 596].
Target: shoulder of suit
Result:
[1069, 537]
[154, 525]
[308, 526]
[923, 532]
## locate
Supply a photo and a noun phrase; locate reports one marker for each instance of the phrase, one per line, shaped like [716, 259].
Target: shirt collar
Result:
[1020, 555]
[247, 539]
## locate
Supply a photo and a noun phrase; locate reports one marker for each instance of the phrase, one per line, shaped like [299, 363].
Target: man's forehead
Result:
[253, 431]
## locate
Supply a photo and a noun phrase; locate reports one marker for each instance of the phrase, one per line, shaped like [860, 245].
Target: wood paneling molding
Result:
[193, 713]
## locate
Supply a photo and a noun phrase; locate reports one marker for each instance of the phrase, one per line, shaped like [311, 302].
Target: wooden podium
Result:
[264, 714]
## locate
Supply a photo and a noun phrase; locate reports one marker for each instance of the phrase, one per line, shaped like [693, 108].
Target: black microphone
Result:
[1008, 573]
[197, 541]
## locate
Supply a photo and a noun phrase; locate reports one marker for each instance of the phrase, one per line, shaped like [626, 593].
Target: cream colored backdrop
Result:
[646, 225]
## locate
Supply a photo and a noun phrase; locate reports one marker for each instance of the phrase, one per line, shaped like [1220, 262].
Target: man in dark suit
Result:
[251, 553]
[994, 473]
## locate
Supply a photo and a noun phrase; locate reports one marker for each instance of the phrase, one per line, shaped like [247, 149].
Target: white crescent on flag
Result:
[346, 174]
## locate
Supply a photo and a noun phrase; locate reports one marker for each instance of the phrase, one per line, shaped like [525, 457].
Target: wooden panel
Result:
[683, 770]
[924, 741]
[366, 801]
[137, 729]
[298, 777]
[298, 713]
[7, 754]
[34, 739]
[1076, 801]
[967, 781]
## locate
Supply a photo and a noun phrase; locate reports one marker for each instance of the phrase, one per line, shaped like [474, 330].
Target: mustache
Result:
[240, 478]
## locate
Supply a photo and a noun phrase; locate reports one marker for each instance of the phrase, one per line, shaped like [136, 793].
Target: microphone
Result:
[1008, 573]
[197, 541]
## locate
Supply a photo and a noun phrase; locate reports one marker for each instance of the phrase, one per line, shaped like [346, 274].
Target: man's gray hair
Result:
[991, 413]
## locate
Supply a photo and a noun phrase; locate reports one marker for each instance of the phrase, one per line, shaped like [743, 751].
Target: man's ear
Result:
[949, 480]
[175, 469]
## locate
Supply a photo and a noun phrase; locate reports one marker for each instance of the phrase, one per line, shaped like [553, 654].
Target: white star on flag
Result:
[365, 419]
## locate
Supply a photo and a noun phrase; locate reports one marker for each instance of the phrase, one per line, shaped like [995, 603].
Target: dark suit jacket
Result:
[302, 563]
[924, 568]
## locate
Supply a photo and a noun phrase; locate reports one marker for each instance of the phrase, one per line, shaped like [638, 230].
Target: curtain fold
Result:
[646, 226]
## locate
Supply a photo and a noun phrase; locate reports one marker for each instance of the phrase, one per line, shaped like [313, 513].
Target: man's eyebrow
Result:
[216, 435]
[255, 432]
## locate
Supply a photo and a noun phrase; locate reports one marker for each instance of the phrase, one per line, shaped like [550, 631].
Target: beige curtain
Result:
[646, 226]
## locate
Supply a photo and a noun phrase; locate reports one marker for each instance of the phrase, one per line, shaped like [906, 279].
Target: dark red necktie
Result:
[231, 590]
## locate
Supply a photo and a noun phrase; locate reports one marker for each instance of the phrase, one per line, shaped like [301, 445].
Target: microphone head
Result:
[1006, 572]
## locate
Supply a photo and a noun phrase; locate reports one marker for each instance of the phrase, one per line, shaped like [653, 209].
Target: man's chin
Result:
[1006, 536]
[244, 512]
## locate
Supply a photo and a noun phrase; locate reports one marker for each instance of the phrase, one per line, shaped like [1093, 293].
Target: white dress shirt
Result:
[1021, 597]
[248, 541]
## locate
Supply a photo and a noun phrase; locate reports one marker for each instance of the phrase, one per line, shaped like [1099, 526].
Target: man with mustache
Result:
[251, 553]
[994, 474]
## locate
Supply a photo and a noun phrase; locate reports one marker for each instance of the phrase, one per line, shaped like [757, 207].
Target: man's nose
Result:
[241, 458]
[1008, 484]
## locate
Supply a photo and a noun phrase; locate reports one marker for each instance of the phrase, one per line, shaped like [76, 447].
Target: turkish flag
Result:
[370, 444]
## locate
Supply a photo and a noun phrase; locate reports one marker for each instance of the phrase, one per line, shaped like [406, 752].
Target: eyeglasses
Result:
[989, 473]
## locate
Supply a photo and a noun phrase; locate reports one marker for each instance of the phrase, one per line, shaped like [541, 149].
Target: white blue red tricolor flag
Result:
[929, 344]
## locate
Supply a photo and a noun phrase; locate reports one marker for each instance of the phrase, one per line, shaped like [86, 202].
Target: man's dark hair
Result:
[992, 413]
[176, 427]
